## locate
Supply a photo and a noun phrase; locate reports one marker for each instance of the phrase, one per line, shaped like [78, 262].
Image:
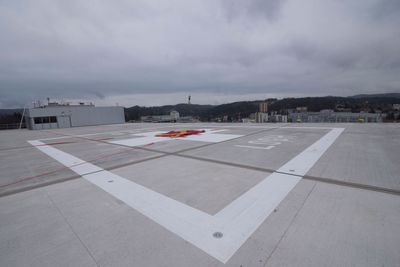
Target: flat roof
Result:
[222, 195]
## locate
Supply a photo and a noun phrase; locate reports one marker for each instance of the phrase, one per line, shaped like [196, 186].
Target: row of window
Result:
[40, 120]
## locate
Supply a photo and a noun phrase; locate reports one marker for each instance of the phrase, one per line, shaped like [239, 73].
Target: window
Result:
[40, 120]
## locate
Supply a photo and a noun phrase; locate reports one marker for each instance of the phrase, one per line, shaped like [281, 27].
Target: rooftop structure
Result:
[201, 195]
[65, 116]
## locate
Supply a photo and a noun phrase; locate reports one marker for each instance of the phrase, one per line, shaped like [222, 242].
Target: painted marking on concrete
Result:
[182, 133]
[235, 223]
[267, 142]
[101, 139]
[256, 147]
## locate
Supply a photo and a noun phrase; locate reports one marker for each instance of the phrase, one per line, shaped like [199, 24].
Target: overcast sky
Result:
[158, 52]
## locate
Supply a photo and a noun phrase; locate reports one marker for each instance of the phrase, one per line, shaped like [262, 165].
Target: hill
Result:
[10, 111]
[390, 95]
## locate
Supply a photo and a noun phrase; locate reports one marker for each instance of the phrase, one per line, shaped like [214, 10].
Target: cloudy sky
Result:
[159, 52]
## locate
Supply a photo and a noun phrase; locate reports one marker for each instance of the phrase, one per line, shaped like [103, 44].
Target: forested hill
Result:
[203, 112]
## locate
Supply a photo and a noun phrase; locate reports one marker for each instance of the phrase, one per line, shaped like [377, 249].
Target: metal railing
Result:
[9, 126]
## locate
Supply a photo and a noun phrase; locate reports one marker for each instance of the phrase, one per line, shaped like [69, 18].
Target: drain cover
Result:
[217, 234]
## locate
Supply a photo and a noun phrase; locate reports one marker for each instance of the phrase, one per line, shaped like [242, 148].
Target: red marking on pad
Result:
[103, 139]
[184, 133]
[53, 144]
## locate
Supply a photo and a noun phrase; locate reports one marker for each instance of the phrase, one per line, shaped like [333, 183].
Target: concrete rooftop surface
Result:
[222, 195]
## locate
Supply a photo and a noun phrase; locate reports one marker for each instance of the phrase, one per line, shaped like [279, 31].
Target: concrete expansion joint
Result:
[289, 226]
[72, 230]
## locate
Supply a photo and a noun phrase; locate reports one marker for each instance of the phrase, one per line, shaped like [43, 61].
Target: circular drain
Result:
[217, 234]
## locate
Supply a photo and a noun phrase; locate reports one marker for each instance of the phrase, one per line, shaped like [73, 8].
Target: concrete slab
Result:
[34, 233]
[365, 154]
[341, 226]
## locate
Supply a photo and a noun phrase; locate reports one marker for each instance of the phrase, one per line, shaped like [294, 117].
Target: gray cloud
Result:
[99, 50]
[269, 10]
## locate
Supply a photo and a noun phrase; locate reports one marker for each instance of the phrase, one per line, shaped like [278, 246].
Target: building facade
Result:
[263, 107]
[63, 116]
[172, 117]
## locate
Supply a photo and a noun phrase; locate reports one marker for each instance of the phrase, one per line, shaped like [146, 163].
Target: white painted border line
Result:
[237, 221]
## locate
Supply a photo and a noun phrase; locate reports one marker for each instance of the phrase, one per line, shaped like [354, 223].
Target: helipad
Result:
[201, 195]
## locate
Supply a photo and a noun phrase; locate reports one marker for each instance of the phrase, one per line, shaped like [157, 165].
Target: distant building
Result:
[278, 118]
[396, 106]
[174, 114]
[172, 117]
[65, 116]
[263, 107]
[258, 117]
[342, 108]
[261, 117]
[301, 109]
[247, 120]
[329, 115]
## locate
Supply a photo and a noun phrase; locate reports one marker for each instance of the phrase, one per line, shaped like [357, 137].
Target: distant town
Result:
[359, 108]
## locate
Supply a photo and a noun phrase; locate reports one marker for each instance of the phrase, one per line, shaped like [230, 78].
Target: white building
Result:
[172, 117]
[66, 116]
